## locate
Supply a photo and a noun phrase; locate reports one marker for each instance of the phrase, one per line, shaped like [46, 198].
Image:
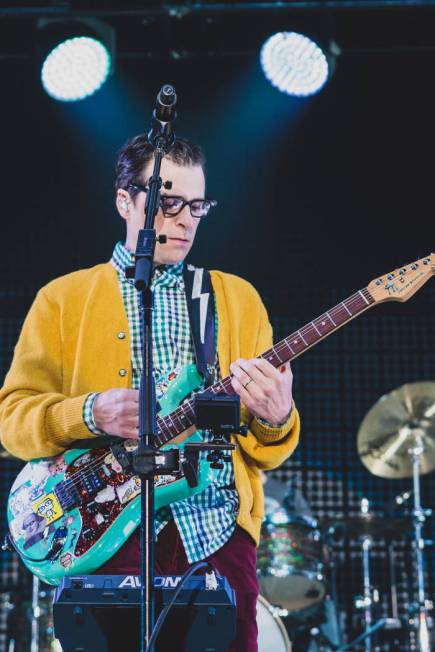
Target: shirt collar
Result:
[169, 275]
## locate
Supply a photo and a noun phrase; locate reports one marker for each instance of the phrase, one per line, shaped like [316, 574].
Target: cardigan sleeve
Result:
[36, 418]
[268, 447]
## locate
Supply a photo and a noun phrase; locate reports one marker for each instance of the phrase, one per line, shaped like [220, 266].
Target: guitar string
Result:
[90, 468]
[350, 302]
[354, 299]
[280, 346]
[308, 329]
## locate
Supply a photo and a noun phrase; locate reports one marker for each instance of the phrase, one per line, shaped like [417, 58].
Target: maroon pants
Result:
[236, 561]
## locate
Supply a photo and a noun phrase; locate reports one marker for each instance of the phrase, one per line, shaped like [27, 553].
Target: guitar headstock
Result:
[402, 283]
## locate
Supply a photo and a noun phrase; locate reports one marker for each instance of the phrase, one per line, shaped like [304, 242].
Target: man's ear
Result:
[123, 203]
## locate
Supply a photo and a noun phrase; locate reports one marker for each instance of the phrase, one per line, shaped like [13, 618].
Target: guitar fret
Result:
[189, 406]
[277, 355]
[367, 302]
[343, 303]
[316, 328]
[226, 383]
[162, 426]
[171, 420]
[327, 313]
[288, 346]
[303, 339]
[284, 351]
[180, 423]
[331, 320]
[167, 424]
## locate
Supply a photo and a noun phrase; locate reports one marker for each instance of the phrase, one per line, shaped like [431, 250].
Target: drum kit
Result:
[296, 566]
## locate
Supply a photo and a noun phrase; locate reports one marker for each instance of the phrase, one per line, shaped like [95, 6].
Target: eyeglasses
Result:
[171, 205]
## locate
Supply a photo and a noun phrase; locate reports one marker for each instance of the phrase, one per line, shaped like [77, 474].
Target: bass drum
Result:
[272, 635]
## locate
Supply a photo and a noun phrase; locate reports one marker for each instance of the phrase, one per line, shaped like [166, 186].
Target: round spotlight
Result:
[294, 64]
[75, 69]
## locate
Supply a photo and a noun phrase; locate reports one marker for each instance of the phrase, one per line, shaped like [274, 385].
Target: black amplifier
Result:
[101, 613]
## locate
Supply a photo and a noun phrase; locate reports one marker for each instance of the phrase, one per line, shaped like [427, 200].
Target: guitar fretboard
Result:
[284, 351]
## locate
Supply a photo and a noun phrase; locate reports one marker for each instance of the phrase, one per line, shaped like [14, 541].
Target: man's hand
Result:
[266, 391]
[116, 412]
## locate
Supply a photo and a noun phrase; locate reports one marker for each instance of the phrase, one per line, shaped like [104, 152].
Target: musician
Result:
[76, 369]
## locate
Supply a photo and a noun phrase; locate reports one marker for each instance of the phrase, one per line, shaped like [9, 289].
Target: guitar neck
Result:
[284, 351]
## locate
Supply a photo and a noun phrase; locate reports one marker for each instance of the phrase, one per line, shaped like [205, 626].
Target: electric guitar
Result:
[70, 513]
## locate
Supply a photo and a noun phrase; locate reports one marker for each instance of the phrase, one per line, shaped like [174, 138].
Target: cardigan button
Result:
[121, 335]
[122, 372]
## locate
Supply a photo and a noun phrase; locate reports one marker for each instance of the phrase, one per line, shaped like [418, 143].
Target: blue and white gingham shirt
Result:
[205, 521]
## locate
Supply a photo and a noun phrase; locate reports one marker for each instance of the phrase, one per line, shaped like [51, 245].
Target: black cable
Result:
[165, 611]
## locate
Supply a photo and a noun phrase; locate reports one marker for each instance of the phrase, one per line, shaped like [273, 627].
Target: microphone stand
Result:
[161, 138]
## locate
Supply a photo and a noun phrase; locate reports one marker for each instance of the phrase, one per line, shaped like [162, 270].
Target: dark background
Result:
[317, 197]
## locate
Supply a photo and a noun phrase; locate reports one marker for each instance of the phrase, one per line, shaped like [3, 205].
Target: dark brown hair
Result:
[137, 152]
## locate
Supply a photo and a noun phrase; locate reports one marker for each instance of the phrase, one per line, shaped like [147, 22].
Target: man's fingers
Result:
[245, 396]
[245, 371]
[267, 368]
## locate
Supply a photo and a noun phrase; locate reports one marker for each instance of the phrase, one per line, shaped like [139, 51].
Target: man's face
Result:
[180, 230]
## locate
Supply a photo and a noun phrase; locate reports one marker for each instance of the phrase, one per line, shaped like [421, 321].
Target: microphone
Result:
[166, 102]
[164, 115]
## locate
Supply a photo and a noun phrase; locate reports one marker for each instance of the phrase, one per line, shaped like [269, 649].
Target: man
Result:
[76, 371]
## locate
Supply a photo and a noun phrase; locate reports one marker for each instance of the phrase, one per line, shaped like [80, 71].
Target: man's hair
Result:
[137, 152]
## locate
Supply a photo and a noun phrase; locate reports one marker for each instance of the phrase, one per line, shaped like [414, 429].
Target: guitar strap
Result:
[201, 309]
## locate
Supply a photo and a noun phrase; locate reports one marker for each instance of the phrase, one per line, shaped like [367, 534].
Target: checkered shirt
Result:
[205, 521]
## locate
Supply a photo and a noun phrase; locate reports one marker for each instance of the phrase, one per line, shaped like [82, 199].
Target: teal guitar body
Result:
[69, 514]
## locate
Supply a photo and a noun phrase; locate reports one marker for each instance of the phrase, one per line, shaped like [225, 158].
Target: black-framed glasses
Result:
[171, 205]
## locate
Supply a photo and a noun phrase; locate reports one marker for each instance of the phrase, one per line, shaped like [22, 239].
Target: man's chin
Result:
[168, 260]
[173, 257]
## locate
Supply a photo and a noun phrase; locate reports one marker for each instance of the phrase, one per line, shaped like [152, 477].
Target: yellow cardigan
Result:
[69, 347]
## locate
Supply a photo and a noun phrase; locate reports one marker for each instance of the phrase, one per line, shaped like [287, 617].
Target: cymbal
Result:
[400, 421]
[372, 525]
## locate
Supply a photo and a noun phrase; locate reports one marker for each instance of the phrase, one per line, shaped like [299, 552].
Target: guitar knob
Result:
[216, 465]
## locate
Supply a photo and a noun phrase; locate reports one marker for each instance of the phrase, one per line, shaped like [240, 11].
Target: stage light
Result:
[294, 64]
[78, 59]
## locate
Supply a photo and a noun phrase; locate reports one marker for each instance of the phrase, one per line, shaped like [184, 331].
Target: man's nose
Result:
[184, 217]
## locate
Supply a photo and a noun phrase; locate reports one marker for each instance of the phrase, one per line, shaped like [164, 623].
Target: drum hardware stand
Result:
[36, 611]
[394, 624]
[329, 539]
[418, 611]
[370, 595]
